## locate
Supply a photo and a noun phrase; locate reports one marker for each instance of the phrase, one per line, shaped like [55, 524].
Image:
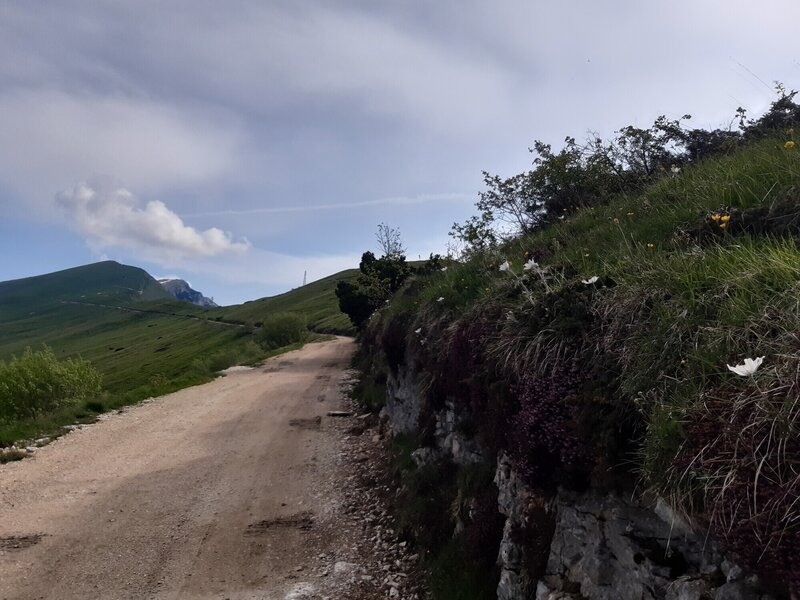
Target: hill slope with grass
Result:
[142, 341]
[106, 281]
[596, 351]
[316, 301]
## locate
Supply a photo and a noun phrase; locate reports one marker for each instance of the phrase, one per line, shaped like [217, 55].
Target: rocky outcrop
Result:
[403, 401]
[609, 548]
[181, 290]
[461, 449]
[404, 407]
[577, 546]
[525, 512]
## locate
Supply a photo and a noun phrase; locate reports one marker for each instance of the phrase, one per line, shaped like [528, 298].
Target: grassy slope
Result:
[65, 311]
[98, 282]
[144, 344]
[317, 301]
[679, 298]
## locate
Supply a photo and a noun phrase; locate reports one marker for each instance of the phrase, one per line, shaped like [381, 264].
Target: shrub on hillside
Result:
[591, 173]
[282, 329]
[378, 280]
[38, 383]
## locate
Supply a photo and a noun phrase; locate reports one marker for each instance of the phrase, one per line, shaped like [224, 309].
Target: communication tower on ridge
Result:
[304, 277]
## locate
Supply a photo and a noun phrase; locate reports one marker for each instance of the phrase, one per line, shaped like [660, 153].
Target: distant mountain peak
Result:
[181, 290]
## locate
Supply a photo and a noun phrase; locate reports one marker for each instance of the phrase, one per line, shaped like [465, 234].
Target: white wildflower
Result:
[531, 264]
[505, 266]
[418, 331]
[443, 269]
[591, 280]
[749, 367]
[440, 299]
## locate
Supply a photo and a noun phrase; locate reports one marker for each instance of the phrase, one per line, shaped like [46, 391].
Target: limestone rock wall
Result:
[403, 400]
[403, 409]
[610, 548]
[578, 546]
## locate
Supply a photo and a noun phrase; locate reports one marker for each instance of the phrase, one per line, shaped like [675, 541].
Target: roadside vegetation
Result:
[37, 383]
[316, 301]
[140, 344]
[597, 327]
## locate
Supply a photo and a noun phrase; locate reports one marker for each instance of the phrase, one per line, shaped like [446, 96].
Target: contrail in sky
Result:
[452, 197]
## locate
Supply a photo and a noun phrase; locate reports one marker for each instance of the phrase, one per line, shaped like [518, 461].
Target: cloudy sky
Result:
[237, 144]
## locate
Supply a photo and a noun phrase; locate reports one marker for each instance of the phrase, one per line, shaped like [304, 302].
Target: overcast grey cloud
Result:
[299, 125]
[60, 137]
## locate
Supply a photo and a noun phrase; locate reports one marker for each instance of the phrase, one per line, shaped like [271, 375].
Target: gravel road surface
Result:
[224, 490]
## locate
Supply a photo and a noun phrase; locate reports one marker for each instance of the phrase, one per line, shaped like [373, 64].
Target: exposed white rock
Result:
[602, 547]
[403, 401]
[236, 369]
[461, 449]
[344, 567]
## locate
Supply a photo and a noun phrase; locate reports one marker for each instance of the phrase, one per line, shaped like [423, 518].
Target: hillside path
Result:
[224, 490]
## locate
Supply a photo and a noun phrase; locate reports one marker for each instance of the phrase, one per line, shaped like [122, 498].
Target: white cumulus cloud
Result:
[115, 218]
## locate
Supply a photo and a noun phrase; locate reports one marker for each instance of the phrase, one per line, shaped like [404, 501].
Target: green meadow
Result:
[141, 341]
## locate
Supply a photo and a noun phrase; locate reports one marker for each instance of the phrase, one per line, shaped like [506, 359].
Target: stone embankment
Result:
[596, 547]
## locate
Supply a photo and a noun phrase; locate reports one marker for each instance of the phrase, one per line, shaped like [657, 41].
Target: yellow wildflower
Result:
[789, 144]
[715, 217]
[725, 218]
[651, 245]
[723, 225]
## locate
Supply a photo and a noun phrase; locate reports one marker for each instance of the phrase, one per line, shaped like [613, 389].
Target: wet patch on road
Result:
[20, 542]
[303, 521]
[314, 423]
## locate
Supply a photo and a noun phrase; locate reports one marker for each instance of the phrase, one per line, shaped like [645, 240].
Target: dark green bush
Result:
[378, 280]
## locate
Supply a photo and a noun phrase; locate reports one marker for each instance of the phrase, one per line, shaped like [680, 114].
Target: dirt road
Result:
[218, 491]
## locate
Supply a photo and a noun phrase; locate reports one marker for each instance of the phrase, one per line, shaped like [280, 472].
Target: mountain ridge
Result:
[105, 280]
[181, 290]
